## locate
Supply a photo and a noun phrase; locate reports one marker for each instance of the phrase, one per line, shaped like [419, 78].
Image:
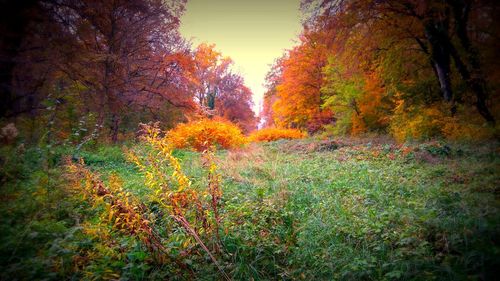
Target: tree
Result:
[272, 80]
[116, 57]
[299, 96]
[439, 29]
[125, 42]
[218, 90]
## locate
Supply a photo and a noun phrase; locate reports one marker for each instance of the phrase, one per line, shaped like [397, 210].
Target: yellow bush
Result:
[272, 134]
[202, 134]
[467, 130]
[419, 123]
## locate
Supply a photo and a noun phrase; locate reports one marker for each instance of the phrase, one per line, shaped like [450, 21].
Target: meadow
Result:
[308, 209]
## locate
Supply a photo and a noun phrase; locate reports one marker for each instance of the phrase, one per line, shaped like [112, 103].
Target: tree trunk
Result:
[436, 33]
[474, 78]
[443, 73]
[476, 85]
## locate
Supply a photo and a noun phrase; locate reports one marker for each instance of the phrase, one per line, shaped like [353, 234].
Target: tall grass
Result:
[271, 211]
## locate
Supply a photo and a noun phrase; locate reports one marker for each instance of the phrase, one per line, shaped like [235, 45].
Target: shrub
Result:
[180, 217]
[462, 129]
[416, 123]
[434, 121]
[205, 133]
[272, 134]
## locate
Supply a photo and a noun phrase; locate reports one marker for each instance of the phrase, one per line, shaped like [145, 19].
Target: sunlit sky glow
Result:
[252, 32]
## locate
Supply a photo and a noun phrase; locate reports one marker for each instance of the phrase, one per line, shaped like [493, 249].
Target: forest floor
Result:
[291, 210]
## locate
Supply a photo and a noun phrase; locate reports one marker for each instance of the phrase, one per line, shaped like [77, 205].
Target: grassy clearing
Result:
[292, 210]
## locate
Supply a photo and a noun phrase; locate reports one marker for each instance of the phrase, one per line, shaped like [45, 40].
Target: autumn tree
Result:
[211, 71]
[236, 106]
[126, 43]
[299, 96]
[218, 90]
[440, 30]
[109, 58]
[272, 80]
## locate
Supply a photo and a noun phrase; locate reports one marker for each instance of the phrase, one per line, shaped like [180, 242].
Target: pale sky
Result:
[252, 32]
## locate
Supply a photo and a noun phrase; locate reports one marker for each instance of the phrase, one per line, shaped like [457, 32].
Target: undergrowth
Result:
[272, 134]
[285, 210]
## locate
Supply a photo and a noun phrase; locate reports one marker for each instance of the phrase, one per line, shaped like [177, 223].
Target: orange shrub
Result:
[204, 133]
[272, 134]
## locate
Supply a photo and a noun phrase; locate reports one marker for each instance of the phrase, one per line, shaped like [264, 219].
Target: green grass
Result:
[376, 218]
[290, 212]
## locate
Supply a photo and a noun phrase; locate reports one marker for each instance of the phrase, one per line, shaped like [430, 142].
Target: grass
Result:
[292, 210]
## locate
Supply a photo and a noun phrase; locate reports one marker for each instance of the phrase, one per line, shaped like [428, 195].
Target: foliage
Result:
[126, 75]
[418, 123]
[109, 67]
[182, 207]
[218, 90]
[298, 97]
[123, 211]
[202, 134]
[359, 58]
[272, 134]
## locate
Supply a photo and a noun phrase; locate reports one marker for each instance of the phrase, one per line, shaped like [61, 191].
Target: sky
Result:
[252, 32]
